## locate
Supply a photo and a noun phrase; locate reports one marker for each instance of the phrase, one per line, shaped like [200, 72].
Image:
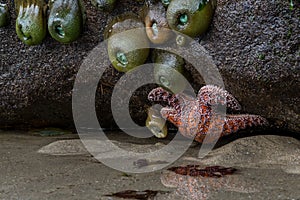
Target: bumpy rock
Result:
[36, 82]
[255, 45]
[264, 152]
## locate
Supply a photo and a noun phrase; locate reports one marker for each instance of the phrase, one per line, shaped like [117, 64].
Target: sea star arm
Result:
[214, 95]
[233, 123]
[171, 114]
[161, 95]
[220, 126]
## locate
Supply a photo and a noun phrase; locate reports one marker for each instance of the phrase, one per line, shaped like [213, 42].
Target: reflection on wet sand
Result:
[201, 187]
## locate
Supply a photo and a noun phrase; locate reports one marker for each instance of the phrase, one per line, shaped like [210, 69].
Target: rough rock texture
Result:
[36, 82]
[255, 45]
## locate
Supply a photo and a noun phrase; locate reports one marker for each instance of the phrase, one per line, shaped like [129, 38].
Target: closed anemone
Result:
[156, 124]
[190, 17]
[66, 20]
[128, 45]
[31, 21]
[157, 27]
[169, 70]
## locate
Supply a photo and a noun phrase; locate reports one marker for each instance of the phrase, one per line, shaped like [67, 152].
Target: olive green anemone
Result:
[169, 70]
[127, 42]
[31, 21]
[156, 124]
[157, 27]
[190, 17]
[66, 20]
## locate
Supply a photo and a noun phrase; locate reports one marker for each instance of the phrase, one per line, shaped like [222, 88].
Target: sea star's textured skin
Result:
[196, 117]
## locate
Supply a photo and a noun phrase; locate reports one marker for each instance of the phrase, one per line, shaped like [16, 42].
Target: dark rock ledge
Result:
[254, 43]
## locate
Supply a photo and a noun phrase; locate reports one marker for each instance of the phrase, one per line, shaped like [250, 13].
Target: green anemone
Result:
[31, 21]
[66, 20]
[190, 17]
[169, 70]
[156, 23]
[156, 124]
[127, 42]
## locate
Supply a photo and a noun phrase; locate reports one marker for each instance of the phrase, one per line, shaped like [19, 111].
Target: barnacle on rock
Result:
[190, 17]
[66, 19]
[31, 21]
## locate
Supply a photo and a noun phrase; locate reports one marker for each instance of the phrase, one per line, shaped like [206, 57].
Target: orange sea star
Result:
[194, 117]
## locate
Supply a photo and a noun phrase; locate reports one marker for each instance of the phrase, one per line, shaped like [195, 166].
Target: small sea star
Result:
[195, 117]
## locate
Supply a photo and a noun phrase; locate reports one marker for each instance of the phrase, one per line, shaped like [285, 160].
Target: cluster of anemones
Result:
[64, 22]
[155, 24]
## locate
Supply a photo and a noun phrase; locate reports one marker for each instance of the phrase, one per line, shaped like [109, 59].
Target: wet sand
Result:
[27, 174]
